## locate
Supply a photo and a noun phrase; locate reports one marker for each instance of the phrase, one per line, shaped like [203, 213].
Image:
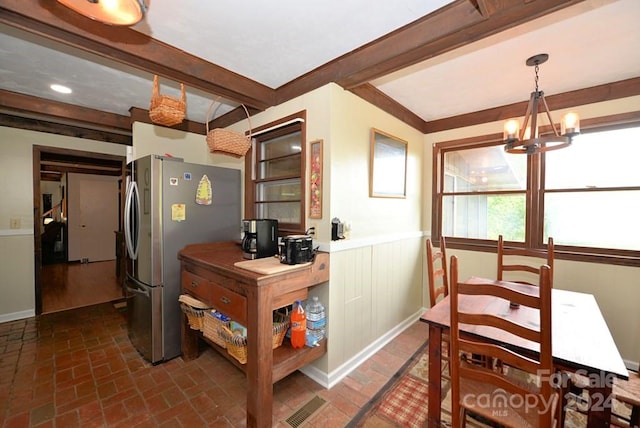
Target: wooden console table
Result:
[209, 274]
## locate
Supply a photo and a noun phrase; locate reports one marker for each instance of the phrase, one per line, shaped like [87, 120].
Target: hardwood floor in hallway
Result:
[73, 285]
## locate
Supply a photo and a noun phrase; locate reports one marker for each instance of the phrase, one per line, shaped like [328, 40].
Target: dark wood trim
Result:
[381, 100]
[142, 115]
[594, 94]
[236, 115]
[63, 129]
[73, 114]
[250, 184]
[583, 254]
[129, 47]
[40, 152]
[37, 241]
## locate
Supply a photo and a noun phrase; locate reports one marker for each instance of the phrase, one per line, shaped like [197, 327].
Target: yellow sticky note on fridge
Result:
[178, 212]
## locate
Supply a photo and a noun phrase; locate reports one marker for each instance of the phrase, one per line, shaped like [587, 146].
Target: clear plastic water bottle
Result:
[316, 321]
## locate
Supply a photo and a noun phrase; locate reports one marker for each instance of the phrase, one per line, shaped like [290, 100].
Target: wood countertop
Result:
[222, 257]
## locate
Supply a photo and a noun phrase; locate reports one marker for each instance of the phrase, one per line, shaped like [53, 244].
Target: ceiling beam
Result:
[444, 30]
[73, 114]
[56, 22]
[381, 100]
[594, 94]
[40, 125]
[142, 115]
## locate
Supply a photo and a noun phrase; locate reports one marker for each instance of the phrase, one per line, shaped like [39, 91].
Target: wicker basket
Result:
[237, 345]
[227, 142]
[212, 325]
[280, 326]
[195, 316]
[194, 309]
[164, 109]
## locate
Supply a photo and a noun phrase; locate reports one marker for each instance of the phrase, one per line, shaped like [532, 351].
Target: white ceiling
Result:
[590, 43]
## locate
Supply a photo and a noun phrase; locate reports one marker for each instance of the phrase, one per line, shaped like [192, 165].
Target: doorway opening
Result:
[74, 265]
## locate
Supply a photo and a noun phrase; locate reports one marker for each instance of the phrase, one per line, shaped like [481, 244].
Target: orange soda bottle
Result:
[298, 325]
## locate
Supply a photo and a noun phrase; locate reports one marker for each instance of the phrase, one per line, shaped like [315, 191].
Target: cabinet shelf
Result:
[286, 359]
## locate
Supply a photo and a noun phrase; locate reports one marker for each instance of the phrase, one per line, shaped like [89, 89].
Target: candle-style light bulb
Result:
[570, 124]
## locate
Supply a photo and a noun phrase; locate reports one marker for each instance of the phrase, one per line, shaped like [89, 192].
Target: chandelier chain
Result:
[537, 67]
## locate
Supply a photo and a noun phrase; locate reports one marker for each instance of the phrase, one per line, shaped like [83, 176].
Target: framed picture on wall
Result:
[388, 166]
[315, 180]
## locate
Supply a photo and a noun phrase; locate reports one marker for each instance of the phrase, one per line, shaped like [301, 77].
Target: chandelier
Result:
[112, 12]
[527, 140]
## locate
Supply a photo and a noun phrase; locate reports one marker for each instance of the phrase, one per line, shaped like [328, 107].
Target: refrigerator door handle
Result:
[131, 220]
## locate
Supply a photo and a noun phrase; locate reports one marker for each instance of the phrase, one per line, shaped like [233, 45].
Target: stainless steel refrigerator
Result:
[169, 204]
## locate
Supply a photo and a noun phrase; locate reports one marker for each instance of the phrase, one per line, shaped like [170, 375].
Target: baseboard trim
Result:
[328, 380]
[632, 365]
[14, 316]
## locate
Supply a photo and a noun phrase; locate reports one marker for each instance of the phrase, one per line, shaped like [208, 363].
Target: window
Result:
[276, 185]
[586, 196]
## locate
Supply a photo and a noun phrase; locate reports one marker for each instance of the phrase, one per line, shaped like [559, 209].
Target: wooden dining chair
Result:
[497, 395]
[437, 271]
[513, 260]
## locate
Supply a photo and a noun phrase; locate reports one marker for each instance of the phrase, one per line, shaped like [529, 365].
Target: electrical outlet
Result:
[15, 223]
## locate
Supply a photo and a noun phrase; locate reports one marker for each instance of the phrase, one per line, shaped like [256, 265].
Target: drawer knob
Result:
[194, 283]
[225, 300]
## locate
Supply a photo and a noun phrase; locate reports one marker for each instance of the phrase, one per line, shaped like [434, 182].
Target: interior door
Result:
[93, 217]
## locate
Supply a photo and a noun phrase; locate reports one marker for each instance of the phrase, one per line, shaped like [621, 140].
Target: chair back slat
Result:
[500, 323]
[510, 259]
[510, 294]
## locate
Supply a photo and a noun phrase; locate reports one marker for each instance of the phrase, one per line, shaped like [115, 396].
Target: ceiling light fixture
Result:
[60, 88]
[112, 12]
[527, 140]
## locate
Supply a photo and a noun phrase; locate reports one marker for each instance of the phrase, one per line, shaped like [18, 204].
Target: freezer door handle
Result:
[132, 220]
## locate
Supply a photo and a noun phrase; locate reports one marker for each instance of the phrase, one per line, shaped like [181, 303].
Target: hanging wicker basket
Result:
[225, 141]
[164, 109]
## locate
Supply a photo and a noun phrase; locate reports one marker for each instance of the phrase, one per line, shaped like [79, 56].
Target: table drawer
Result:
[229, 303]
[196, 285]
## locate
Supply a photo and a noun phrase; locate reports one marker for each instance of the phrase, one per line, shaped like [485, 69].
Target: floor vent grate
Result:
[303, 413]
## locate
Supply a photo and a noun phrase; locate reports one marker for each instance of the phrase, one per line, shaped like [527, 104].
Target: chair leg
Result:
[565, 388]
[634, 421]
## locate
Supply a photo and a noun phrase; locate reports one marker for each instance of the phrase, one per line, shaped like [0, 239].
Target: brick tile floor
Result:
[77, 368]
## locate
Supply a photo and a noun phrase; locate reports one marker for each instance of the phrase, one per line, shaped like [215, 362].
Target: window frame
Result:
[287, 125]
[534, 194]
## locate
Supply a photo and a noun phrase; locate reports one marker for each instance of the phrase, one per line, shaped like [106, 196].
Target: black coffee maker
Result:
[260, 238]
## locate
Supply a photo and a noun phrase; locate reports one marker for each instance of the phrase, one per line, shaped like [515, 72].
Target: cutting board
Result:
[268, 265]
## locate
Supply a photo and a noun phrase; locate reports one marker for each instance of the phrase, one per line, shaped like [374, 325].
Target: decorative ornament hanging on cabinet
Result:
[111, 12]
[527, 140]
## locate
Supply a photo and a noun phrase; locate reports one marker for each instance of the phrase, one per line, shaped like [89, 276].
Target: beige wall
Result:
[616, 288]
[376, 276]
[149, 139]
[16, 245]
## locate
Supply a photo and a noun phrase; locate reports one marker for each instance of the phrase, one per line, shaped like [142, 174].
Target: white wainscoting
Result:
[375, 289]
